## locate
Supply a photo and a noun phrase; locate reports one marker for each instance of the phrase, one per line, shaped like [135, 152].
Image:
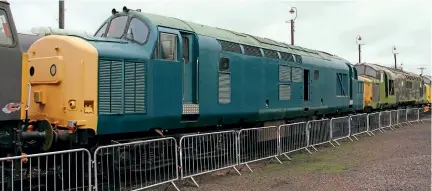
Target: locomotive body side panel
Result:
[10, 73]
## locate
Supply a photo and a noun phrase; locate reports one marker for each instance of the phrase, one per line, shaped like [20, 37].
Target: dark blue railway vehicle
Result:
[161, 73]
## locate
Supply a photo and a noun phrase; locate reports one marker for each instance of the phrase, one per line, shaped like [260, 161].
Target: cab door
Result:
[190, 76]
[10, 64]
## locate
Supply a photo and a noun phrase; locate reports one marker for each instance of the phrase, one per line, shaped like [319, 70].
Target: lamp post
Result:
[358, 39]
[293, 12]
[61, 14]
[394, 54]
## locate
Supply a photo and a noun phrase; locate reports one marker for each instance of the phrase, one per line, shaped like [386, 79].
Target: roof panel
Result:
[228, 35]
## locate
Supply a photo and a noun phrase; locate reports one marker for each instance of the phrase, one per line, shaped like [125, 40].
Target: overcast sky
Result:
[331, 26]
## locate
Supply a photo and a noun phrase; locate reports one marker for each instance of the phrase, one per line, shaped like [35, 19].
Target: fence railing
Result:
[136, 165]
[207, 152]
[374, 122]
[385, 120]
[394, 118]
[144, 164]
[412, 115]
[319, 132]
[359, 125]
[340, 128]
[293, 137]
[60, 170]
[424, 114]
[402, 117]
[258, 144]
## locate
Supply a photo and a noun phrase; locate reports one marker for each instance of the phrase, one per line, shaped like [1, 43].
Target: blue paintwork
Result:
[253, 81]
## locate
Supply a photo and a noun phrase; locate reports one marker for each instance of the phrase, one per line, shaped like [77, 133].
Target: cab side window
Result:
[137, 31]
[6, 37]
[168, 47]
[117, 27]
[101, 31]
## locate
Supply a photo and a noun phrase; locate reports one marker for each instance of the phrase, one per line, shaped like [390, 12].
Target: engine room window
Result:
[360, 69]
[371, 72]
[186, 49]
[408, 85]
[101, 31]
[6, 37]
[224, 64]
[391, 87]
[316, 75]
[137, 31]
[117, 27]
[168, 46]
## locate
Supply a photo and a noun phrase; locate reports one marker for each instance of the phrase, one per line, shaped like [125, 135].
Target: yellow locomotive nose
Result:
[62, 71]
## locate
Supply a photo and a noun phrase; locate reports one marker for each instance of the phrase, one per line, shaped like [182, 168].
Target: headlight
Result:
[53, 70]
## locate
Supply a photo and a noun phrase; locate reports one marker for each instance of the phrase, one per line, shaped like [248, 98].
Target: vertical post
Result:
[359, 53]
[292, 31]
[293, 12]
[358, 41]
[61, 14]
[394, 54]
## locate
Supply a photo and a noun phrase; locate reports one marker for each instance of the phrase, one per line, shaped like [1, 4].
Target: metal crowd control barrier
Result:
[402, 117]
[412, 115]
[358, 125]
[319, 132]
[374, 122]
[207, 152]
[292, 137]
[394, 118]
[340, 129]
[258, 144]
[385, 120]
[60, 170]
[424, 114]
[136, 165]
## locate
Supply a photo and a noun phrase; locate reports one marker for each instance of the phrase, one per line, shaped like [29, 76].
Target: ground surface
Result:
[394, 160]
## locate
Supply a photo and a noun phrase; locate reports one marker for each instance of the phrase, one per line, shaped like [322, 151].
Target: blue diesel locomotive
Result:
[144, 73]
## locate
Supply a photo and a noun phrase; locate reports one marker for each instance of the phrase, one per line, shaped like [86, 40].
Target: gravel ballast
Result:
[394, 160]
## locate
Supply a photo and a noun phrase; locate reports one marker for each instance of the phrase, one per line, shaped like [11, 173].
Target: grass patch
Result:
[327, 160]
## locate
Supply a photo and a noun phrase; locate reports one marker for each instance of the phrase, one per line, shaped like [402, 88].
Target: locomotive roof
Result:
[394, 72]
[232, 36]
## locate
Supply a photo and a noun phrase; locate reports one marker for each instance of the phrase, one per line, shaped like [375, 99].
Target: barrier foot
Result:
[236, 170]
[287, 156]
[278, 160]
[391, 128]
[355, 137]
[308, 150]
[248, 167]
[175, 186]
[332, 144]
[336, 142]
[381, 130]
[350, 139]
[370, 133]
[193, 180]
[316, 150]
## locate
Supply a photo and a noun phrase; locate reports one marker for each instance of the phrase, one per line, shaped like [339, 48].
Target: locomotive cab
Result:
[10, 85]
[81, 82]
